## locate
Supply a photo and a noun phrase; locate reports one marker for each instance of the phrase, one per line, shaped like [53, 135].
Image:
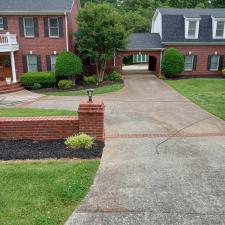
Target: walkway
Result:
[148, 176]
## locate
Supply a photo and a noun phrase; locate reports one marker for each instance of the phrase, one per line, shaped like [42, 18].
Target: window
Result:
[28, 23]
[92, 61]
[1, 23]
[189, 61]
[220, 29]
[192, 28]
[53, 62]
[32, 63]
[53, 27]
[214, 62]
[140, 58]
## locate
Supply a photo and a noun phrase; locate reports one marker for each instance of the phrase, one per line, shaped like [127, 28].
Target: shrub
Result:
[36, 86]
[115, 76]
[223, 72]
[80, 141]
[68, 65]
[90, 79]
[172, 63]
[65, 84]
[44, 79]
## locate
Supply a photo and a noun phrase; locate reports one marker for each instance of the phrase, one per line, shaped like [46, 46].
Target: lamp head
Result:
[90, 94]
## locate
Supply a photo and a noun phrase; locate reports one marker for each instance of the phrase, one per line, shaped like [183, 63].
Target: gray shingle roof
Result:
[8, 6]
[193, 12]
[138, 41]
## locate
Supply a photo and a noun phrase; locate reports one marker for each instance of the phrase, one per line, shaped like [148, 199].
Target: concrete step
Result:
[8, 88]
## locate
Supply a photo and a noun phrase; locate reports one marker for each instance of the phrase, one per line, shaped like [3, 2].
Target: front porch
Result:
[8, 45]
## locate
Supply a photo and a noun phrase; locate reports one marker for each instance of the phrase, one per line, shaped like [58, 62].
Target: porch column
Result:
[13, 67]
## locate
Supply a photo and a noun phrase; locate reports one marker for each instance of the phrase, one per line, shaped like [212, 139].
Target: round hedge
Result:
[172, 63]
[68, 65]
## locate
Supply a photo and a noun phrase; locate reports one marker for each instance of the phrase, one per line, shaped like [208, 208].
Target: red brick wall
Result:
[202, 52]
[39, 128]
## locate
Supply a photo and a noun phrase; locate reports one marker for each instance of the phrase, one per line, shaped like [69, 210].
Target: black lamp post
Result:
[90, 94]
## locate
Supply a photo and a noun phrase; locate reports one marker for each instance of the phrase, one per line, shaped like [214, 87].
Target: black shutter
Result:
[21, 26]
[46, 28]
[209, 62]
[5, 23]
[60, 27]
[195, 62]
[36, 33]
[25, 68]
[48, 62]
[221, 62]
[39, 63]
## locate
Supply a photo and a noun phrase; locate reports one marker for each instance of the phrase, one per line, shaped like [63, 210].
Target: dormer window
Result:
[218, 28]
[191, 28]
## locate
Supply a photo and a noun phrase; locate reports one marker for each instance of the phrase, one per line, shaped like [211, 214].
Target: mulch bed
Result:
[27, 149]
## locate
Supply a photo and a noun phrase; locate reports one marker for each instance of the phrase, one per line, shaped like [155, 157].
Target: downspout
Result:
[67, 35]
[161, 60]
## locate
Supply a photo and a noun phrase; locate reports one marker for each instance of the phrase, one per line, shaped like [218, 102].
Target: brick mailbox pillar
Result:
[91, 118]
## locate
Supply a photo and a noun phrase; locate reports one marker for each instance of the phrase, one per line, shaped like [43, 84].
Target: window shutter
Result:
[39, 63]
[60, 26]
[21, 26]
[5, 23]
[195, 62]
[46, 28]
[25, 68]
[209, 62]
[221, 62]
[48, 62]
[36, 33]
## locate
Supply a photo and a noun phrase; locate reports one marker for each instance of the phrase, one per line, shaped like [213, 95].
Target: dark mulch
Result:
[26, 149]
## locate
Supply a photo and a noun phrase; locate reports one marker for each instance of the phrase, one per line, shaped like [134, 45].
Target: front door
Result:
[7, 70]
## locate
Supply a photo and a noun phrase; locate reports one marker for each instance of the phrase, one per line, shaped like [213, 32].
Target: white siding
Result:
[157, 23]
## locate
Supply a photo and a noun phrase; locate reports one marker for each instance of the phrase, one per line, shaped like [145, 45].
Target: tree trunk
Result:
[100, 69]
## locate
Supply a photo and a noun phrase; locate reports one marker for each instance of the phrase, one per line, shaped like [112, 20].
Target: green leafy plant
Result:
[79, 141]
[90, 79]
[172, 63]
[38, 79]
[65, 84]
[223, 72]
[36, 86]
[68, 65]
[115, 76]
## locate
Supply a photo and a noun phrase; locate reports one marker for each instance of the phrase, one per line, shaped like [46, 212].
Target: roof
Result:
[140, 41]
[35, 6]
[193, 13]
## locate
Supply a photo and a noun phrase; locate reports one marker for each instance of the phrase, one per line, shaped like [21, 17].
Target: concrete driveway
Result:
[164, 161]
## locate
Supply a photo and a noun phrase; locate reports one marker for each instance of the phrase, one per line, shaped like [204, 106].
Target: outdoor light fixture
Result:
[90, 94]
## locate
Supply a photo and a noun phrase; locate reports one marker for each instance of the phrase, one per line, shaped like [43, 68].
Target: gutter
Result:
[193, 43]
[37, 13]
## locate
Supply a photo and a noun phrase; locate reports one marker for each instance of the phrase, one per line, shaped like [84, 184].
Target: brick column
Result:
[91, 119]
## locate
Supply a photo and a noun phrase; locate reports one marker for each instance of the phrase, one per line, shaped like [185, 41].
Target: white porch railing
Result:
[8, 42]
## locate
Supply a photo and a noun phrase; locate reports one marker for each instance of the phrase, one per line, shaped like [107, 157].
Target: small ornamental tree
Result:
[100, 34]
[172, 63]
[68, 65]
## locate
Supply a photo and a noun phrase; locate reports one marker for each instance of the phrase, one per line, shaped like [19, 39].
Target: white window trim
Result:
[2, 28]
[49, 29]
[214, 27]
[191, 62]
[24, 27]
[28, 69]
[218, 63]
[187, 20]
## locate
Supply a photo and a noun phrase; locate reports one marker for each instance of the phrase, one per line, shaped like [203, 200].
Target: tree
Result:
[67, 65]
[218, 3]
[100, 34]
[172, 62]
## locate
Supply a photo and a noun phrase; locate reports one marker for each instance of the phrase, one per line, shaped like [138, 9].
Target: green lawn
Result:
[205, 92]
[98, 90]
[12, 112]
[43, 193]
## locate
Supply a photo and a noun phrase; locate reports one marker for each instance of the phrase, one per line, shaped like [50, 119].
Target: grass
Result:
[12, 112]
[43, 193]
[208, 93]
[97, 91]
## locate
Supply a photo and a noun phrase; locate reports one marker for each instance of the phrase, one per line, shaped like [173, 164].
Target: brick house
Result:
[33, 32]
[199, 34]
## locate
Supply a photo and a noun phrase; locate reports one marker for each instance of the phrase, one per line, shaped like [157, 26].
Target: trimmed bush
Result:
[43, 79]
[115, 76]
[79, 141]
[65, 84]
[223, 72]
[68, 65]
[172, 63]
[90, 79]
[36, 86]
